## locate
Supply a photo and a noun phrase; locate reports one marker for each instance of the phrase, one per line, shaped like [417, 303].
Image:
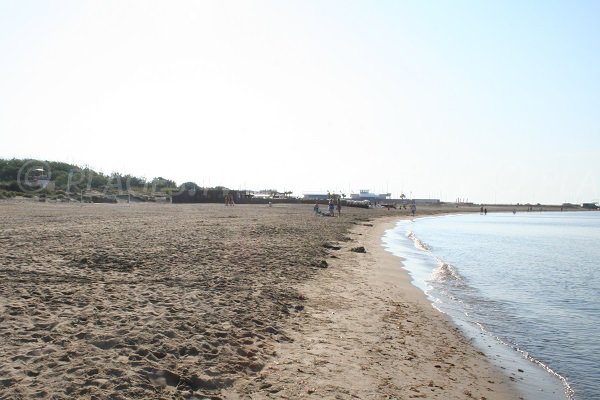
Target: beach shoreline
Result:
[367, 332]
[441, 260]
[244, 302]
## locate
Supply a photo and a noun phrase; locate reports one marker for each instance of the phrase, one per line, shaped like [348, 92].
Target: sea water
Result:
[524, 287]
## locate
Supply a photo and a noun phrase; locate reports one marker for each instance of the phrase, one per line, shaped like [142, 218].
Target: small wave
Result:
[446, 273]
[418, 243]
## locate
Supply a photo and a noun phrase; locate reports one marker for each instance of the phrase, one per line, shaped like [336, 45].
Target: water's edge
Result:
[530, 377]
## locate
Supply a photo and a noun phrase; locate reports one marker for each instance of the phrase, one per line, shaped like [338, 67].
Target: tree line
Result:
[60, 180]
[30, 176]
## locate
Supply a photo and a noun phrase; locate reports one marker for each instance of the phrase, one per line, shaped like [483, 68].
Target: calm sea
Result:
[524, 287]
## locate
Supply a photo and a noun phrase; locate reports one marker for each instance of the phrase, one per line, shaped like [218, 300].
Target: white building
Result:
[366, 195]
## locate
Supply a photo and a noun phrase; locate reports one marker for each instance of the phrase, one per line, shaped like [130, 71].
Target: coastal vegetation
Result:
[63, 181]
[60, 181]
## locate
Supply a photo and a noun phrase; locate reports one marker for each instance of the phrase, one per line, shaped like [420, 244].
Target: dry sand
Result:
[207, 301]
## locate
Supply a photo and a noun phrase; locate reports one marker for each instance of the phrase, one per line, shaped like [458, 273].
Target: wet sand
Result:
[206, 301]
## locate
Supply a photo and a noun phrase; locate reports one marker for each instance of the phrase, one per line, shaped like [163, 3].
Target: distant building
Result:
[39, 178]
[366, 195]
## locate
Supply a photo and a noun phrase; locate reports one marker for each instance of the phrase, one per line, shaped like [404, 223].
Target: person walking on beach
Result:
[413, 209]
[481, 211]
[339, 208]
[331, 208]
[485, 211]
[316, 208]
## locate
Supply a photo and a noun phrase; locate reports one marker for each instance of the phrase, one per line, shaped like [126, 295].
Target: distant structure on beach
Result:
[590, 206]
[38, 177]
[363, 195]
[219, 194]
[366, 195]
[315, 196]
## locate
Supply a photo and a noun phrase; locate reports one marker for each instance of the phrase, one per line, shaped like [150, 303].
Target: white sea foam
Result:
[418, 243]
[446, 273]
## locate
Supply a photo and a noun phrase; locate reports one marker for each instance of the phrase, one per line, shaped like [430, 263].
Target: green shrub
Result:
[12, 186]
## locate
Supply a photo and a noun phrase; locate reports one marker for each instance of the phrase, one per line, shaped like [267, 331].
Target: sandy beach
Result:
[206, 301]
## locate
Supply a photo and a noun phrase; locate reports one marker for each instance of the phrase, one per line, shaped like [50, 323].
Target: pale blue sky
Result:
[494, 101]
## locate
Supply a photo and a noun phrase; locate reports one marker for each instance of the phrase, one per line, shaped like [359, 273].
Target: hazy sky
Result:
[494, 101]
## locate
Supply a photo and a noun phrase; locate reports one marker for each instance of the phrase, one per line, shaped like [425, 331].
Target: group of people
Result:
[229, 200]
[331, 207]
